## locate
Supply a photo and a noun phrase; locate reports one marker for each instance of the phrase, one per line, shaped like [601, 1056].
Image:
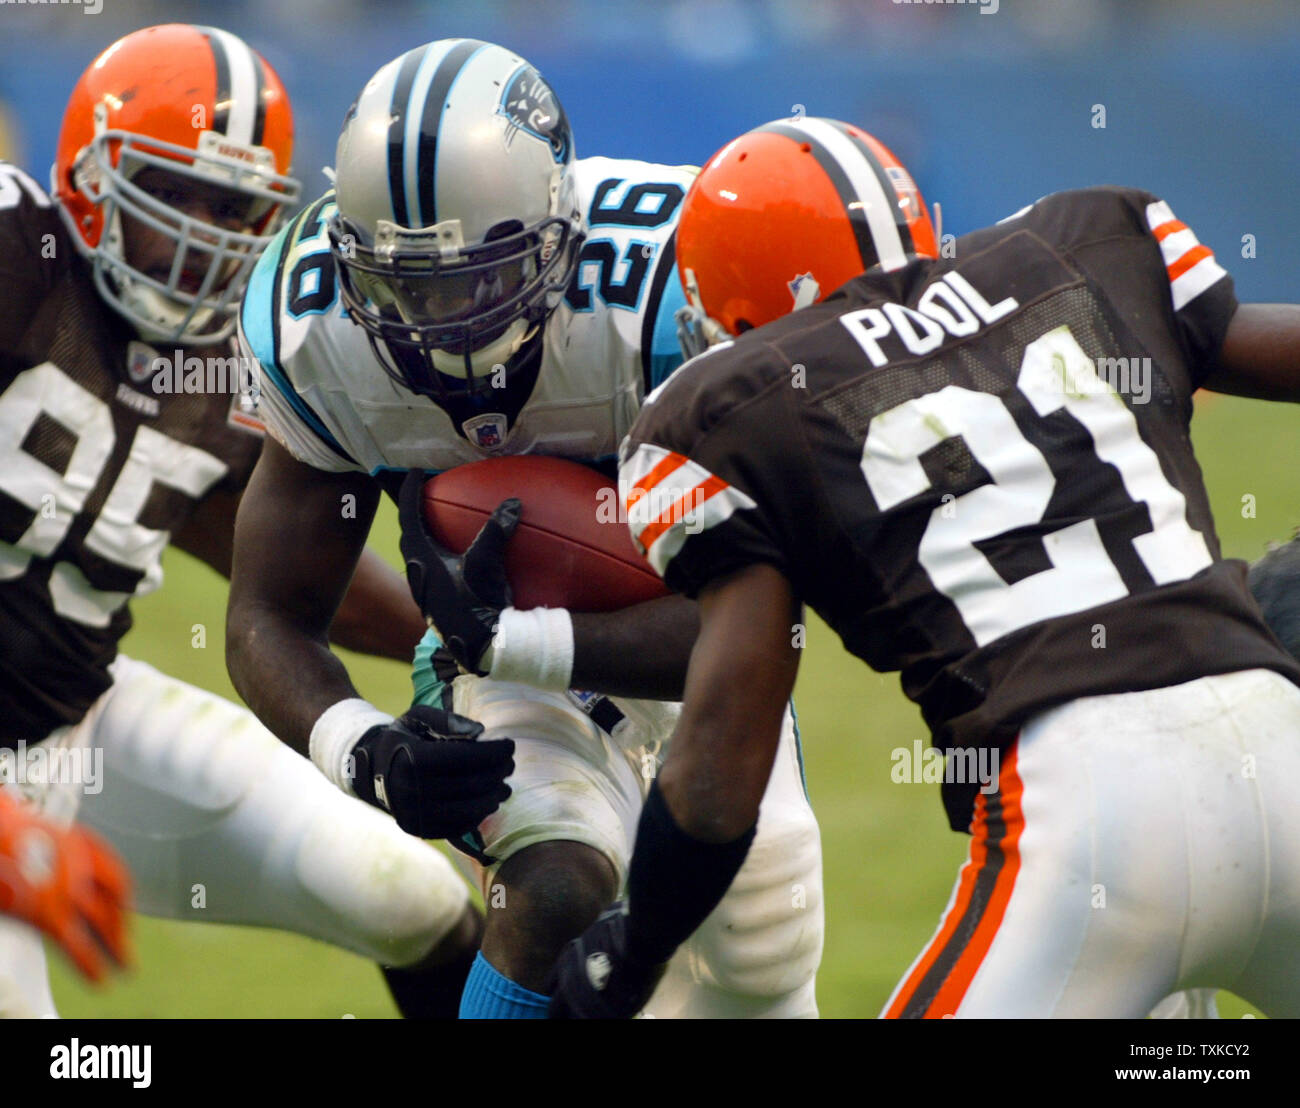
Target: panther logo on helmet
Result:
[531, 106]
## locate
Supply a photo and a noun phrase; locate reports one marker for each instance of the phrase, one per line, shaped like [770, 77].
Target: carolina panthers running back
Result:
[572, 389]
[470, 288]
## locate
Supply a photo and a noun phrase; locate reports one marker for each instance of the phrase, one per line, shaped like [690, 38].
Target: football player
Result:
[66, 882]
[470, 288]
[120, 290]
[977, 470]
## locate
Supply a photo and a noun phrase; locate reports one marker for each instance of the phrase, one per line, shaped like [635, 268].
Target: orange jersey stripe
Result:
[658, 472]
[1194, 255]
[974, 946]
[1169, 227]
[690, 502]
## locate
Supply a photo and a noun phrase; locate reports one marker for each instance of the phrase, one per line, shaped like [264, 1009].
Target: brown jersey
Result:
[977, 470]
[100, 460]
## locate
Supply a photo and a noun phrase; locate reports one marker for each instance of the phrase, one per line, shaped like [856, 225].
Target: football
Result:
[572, 548]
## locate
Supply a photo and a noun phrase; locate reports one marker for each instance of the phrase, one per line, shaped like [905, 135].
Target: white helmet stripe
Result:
[879, 206]
[242, 105]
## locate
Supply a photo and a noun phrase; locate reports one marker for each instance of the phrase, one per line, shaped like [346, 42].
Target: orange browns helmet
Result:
[786, 213]
[200, 104]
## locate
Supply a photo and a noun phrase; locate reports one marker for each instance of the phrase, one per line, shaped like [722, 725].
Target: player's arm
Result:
[640, 652]
[295, 552]
[376, 616]
[700, 817]
[1260, 356]
[738, 688]
[28, 268]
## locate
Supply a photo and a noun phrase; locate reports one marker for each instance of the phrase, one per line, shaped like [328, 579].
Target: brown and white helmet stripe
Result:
[239, 112]
[870, 196]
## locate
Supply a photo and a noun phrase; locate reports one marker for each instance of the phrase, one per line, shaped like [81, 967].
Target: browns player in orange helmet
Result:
[966, 483]
[172, 173]
[784, 215]
[172, 113]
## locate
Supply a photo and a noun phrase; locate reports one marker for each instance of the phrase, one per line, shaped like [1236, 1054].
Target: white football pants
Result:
[1137, 845]
[220, 822]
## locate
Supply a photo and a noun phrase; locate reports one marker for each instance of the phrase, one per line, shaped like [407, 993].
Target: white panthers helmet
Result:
[458, 226]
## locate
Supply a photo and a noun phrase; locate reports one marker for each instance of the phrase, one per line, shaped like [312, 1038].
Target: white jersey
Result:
[611, 340]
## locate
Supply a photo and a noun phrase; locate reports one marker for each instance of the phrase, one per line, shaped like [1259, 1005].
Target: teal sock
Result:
[490, 995]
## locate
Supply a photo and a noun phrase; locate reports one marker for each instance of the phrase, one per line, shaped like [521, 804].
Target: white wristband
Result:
[534, 648]
[337, 731]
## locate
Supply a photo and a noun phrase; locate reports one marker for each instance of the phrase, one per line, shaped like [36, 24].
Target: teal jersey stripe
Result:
[665, 351]
[258, 317]
[257, 312]
[429, 688]
[798, 750]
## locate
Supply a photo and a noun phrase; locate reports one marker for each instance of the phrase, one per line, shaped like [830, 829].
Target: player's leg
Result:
[221, 822]
[1094, 885]
[1030, 900]
[561, 841]
[1270, 765]
[24, 979]
[757, 954]
[1190, 1004]
[53, 777]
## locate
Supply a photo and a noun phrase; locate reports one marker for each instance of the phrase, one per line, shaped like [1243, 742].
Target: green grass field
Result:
[890, 860]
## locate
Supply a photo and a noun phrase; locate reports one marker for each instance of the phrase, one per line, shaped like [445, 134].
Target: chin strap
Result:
[482, 363]
[696, 329]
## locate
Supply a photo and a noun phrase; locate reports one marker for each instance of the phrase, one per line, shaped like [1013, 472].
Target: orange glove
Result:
[66, 882]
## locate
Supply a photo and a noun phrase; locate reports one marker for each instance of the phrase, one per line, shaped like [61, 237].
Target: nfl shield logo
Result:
[487, 431]
[804, 289]
[139, 362]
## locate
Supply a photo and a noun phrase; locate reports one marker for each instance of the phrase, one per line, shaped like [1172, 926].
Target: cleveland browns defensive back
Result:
[977, 470]
[120, 291]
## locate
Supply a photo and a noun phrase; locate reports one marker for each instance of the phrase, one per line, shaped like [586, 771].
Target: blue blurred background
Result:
[990, 111]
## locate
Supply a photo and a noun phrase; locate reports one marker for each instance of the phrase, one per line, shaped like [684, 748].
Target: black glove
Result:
[429, 770]
[597, 978]
[461, 594]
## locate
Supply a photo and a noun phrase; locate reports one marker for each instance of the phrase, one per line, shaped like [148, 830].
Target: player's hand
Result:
[598, 978]
[432, 772]
[67, 883]
[460, 594]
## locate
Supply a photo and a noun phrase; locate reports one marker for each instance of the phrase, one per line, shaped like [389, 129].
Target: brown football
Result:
[572, 548]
